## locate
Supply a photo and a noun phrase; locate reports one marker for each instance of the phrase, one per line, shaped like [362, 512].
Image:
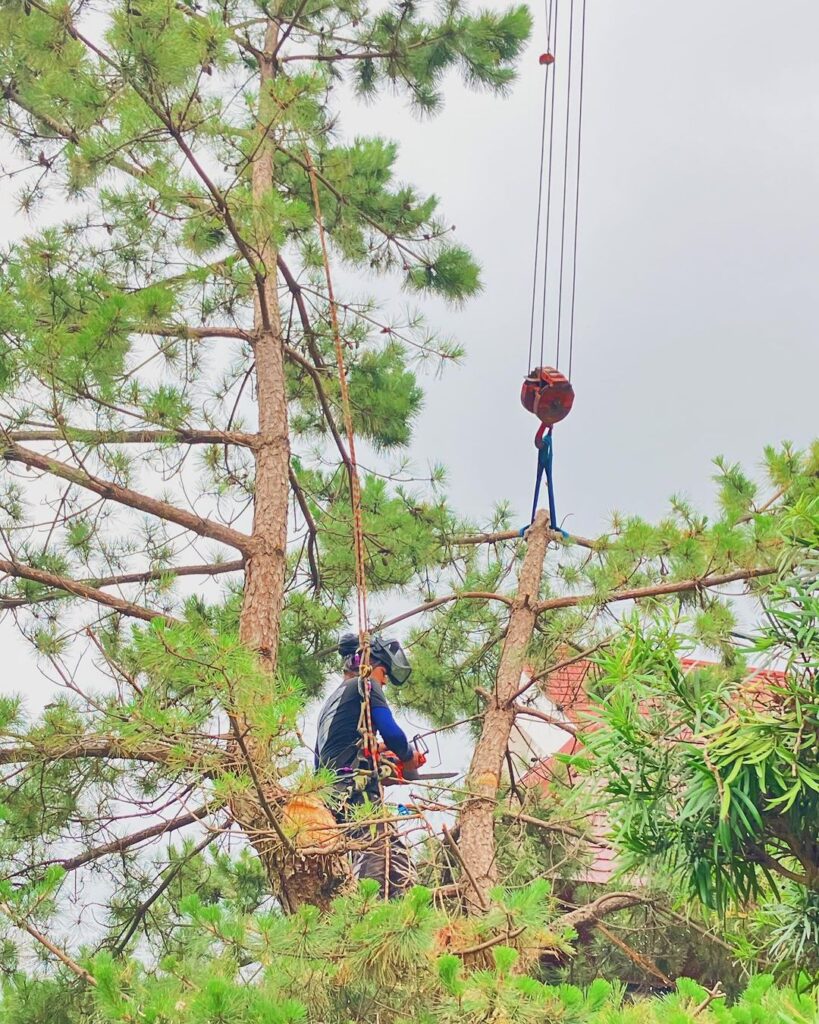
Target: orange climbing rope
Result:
[355, 487]
[368, 730]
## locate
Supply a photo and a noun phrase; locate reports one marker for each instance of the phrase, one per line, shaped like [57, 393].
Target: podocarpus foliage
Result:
[176, 507]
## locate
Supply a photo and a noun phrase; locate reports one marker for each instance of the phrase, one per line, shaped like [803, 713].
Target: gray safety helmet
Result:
[388, 653]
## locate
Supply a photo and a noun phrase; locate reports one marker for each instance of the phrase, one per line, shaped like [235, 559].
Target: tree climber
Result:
[342, 746]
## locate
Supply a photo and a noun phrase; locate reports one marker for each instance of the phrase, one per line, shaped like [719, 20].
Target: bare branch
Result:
[312, 530]
[324, 402]
[522, 709]
[556, 668]
[213, 569]
[185, 331]
[57, 748]
[427, 606]
[513, 816]
[128, 842]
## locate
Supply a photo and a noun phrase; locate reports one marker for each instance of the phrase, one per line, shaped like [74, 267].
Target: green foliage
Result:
[713, 772]
[181, 263]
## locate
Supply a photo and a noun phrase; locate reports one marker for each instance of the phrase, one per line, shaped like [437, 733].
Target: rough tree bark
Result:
[295, 879]
[265, 564]
[477, 818]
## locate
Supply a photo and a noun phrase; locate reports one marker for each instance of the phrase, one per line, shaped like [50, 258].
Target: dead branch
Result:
[128, 842]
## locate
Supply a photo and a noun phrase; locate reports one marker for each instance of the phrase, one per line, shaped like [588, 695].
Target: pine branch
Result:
[658, 590]
[80, 436]
[126, 496]
[146, 905]
[77, 589]
[129, 842]
[427, 606]
[214, 569]
[312, 530]
[55, 950]
[58, 748]
[324, 401]
[218, 200]
[185, 331]
[496, 538]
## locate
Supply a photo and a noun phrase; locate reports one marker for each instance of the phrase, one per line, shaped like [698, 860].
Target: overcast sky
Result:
[697, 266]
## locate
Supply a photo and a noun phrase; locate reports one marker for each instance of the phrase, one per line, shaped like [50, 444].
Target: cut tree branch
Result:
[608, 903]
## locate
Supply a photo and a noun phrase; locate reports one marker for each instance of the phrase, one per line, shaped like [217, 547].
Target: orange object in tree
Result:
[547, 394]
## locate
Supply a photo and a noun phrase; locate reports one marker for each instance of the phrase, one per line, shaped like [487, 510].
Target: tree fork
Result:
[477, 818]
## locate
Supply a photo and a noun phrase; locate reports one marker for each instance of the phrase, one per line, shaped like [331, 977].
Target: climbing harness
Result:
[547, 392]
[366, 729]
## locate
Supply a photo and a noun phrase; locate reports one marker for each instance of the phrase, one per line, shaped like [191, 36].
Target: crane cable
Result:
[543, 384]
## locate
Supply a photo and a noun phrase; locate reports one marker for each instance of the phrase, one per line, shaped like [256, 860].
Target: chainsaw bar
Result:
[418, 777]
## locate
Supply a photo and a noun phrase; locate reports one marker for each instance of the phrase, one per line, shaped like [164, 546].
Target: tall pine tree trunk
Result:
[477, 818]
[295, 879]
[265, 565]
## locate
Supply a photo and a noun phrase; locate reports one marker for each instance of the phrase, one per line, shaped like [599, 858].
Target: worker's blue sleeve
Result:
[391, 732]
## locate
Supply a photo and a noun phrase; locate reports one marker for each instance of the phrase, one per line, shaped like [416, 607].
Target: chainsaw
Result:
[393, 771]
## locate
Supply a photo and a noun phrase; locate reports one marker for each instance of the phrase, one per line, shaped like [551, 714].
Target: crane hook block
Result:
[546, 58]
[547, 394]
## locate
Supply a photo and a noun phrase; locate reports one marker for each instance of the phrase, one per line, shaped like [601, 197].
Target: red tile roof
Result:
[566, 690]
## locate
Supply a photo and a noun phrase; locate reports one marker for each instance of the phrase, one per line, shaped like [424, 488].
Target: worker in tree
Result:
[342, 746]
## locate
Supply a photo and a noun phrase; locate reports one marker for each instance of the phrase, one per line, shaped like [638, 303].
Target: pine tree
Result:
[176, 503]
[168, 359]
